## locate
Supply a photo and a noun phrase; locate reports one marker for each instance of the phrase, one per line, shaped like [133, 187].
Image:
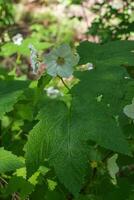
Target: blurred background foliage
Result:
[47, 23]
[114, 20]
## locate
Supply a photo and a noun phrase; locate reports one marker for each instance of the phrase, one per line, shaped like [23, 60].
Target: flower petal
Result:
[64, 71]
[52, 69]
[70, 60]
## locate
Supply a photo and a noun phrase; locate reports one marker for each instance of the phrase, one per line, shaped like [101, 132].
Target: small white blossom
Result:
[129, 110]
[61, 61]
[17, 39]
[99, 98]
[126, 77]
[53, 93]
[34, 59]
[90, 66]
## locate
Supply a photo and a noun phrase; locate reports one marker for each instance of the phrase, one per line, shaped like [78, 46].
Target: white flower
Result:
[53, 93]
[117, 4]
[126, 77]
[17, 39]
[34, 59]
[129, 110]
[61, 61]
[89, 66]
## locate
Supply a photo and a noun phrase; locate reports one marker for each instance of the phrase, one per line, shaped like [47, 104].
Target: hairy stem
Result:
[64, 83]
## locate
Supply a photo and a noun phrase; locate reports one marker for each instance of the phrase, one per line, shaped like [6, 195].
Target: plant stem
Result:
[3, 180]
[15, 195]
[110, 153]
[64, 83]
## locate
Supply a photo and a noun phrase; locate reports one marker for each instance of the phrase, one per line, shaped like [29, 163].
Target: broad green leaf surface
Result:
[131, 197]
[99, 120]
[112, 53]
[10, 91]
[61, 134]
[9, 161]
[19, 184]
[41, 192]
[59, 143]
[107, 191]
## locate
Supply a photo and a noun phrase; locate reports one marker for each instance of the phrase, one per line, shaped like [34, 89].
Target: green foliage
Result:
[70, 143]
[114, 20]
[9, 161]
[129, 110]
[10, 48]
[10, 91]
[6, 13]
[18, 184]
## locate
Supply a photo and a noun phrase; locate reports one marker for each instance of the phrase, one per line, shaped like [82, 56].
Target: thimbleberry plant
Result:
[74, 141]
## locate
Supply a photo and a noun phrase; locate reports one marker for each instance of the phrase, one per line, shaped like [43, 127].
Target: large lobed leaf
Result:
[10, 91]
[19, 185]
[8, 161]
[58, 141]
[61, 134]
[112, 53]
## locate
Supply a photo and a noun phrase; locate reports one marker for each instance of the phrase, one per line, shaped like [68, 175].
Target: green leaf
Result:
[19, 185]
[43, 81]
[112, 53]
[39, 192]
[25, 111]
[131, 197]
[9, 161]
[51, 184]
[34, 178]
[21, 172]
[10, 91]
[108, 81]
[108, 191]
[59, 143]
[87, 197]
[10, 48]
[61, 135]
[99, 120]
[42, 192]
